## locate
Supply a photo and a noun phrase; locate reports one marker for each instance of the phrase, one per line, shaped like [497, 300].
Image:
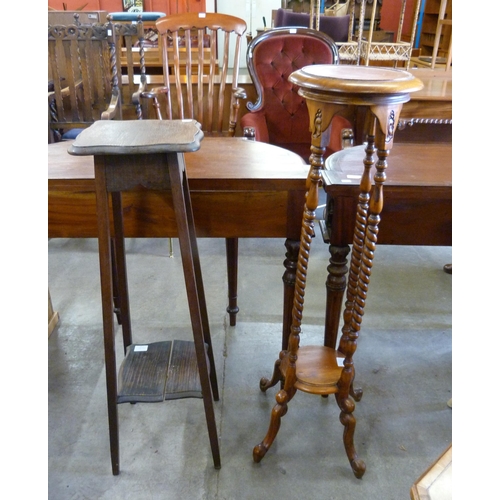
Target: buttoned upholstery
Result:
[280, 115]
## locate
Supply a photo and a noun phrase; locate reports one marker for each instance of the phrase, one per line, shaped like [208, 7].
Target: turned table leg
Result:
[232, 279]
[289, 276]
[335, 288]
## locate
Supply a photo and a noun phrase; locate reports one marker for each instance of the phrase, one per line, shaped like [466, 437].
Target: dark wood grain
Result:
[160, 370]
[233, 183]
[417, 195]
[417, 209]
[329, 90]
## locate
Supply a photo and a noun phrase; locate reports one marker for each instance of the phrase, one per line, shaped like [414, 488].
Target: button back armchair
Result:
[280, 115]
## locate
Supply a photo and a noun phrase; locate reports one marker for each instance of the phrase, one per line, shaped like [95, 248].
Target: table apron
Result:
[411, 216]
[232, 214]
[435, 110]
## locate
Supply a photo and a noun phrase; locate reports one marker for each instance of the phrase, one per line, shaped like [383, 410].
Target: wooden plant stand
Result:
[150, 154]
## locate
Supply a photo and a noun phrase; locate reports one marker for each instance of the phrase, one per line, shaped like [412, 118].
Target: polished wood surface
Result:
[437, 84]
[239, 189]
[149, 153]
[417, 209]
[227, 178]
[434, 101]
[329, 90]
[417, 195]
[417, 165]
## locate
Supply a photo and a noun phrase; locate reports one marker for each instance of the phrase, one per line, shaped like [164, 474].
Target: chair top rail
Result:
[209, 20]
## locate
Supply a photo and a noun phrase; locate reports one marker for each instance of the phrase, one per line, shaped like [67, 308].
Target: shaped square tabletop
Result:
[129, 137]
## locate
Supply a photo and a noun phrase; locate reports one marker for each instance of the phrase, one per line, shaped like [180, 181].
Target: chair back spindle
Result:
[280, 115]
[196, 62]
[79, 68]
[85, 74]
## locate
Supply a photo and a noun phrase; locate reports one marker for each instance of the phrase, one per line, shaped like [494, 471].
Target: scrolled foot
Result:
[279, 410]
[356, 394]
[258, 452]
[358, 467]
[266, 383]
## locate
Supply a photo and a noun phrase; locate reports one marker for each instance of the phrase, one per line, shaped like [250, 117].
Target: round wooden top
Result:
[355, 84]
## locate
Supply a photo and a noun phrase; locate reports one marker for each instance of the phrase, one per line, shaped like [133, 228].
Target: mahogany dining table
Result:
[246, 189]
[417, 209]
[432, 104]
[239, 189]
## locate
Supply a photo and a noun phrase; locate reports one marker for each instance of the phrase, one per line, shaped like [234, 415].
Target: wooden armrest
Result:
[136, 96]
[112, 110]
[154, 93]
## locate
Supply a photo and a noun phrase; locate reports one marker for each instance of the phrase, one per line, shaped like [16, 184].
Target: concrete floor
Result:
[403, 364]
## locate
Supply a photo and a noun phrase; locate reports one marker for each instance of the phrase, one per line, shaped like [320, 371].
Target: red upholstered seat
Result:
[280, 115]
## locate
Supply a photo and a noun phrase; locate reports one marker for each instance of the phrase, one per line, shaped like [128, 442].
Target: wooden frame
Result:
[436, 479]
[396, 51]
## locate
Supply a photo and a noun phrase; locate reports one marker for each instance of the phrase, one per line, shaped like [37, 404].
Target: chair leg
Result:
[280, 409]
[107, 290]
[232, 279]
[335, 288]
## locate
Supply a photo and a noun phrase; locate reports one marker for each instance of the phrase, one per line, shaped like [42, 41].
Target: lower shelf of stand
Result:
[318, 369]
[159, 371]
